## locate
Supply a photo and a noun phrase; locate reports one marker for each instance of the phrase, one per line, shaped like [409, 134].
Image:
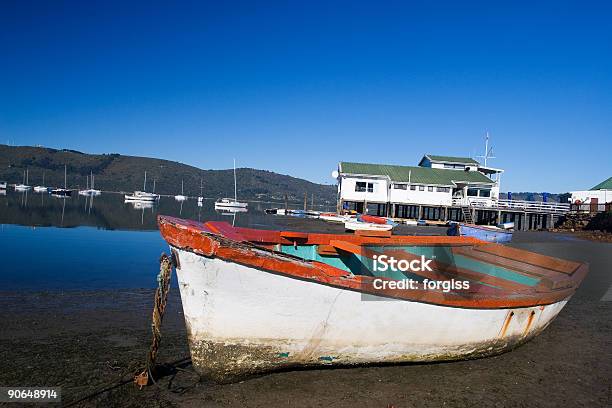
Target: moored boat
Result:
[256, 301]
[143, 195]
[482, 232]
[62, 192]
[23, 186]
[3, 185]
[226, 203]
[182, 196]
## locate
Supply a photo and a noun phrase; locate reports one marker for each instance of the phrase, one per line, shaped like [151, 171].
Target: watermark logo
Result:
[384, 263]
[418, 265]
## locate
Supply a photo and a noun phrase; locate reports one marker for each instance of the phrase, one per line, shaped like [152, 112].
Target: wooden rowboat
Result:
[256, 301]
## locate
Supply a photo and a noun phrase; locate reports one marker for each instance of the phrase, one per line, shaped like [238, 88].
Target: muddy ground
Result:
[87, 342]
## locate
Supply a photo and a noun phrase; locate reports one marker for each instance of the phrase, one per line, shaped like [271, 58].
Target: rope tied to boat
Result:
[161, 296]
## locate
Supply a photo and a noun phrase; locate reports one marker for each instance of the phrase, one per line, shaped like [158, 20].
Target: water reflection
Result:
[111, 211]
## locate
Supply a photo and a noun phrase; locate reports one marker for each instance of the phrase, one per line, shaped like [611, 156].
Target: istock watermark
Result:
[384, 263]
[418, 265]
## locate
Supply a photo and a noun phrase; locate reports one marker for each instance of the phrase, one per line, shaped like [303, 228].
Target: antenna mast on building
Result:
[488, 150]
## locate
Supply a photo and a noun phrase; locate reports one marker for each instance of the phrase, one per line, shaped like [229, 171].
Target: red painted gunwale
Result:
[254, 248]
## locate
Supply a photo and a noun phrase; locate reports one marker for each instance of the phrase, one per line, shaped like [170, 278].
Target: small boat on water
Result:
[225, 203]
[201, 196]
[3, 185]
[256, 301]
[482, 232]
[62, 192]
[142, 195]
[42, 188]
[23, 186]
[181, 197]
[90, 190]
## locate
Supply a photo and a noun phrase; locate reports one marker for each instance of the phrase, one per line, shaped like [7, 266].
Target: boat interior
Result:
[491, 269]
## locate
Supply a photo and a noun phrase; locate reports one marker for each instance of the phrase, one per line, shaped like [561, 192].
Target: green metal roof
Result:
[451, 159]
[417, 175]
[604, 185]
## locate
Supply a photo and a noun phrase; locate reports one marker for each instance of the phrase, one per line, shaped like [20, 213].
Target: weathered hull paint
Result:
[243, 321]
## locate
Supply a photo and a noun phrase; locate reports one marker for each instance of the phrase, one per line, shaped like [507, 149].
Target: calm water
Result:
[78, 243]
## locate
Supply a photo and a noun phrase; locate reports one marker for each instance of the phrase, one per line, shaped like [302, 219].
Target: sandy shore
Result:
[84, 341]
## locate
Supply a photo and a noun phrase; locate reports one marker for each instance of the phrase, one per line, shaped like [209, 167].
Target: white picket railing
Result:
[521, 205]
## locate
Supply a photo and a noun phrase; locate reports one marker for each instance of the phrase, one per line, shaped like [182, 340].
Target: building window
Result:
[430, 188]
[400, 186]
[485, 193]
[472, 192]
[421, 188]
[412, 187]
[362, 187]
[454, 166]
[443, 189]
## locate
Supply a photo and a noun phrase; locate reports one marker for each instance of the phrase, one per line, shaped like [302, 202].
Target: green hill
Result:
[115, 172]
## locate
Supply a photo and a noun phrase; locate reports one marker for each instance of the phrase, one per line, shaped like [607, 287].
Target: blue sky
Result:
[295, 87]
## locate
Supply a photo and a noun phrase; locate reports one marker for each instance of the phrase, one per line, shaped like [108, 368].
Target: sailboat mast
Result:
[27, 176]
[235, 187]
[182, 187]
[144, 186]
[65, 177]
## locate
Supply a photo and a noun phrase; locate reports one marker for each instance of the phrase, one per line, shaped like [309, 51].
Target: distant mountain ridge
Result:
[116, 172]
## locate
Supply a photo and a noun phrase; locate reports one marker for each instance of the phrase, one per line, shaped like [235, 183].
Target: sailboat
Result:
[90, 191]
[228, 203]
[42, 188]
[63, 192]
[181, 197]
[201, 197]
[23, 186]
[142, 195]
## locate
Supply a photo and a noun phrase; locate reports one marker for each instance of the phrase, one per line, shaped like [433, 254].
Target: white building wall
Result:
[420, 197]
[603, 196]
[348, 193]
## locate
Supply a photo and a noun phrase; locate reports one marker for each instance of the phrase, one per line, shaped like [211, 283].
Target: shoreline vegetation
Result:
[121, 173]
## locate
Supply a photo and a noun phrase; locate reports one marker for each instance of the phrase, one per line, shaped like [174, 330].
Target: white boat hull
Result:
[335, 218]
[233, 204]
[243, 321]
[366, 226]
[140, 197]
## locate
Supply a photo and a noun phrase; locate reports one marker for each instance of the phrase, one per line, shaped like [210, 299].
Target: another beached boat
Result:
[482, 232]
[333, 217]
[356, 225]
[256, 301]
